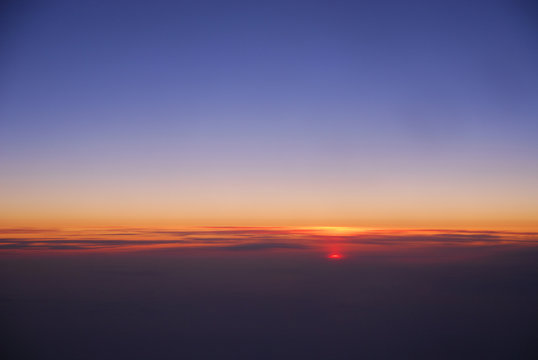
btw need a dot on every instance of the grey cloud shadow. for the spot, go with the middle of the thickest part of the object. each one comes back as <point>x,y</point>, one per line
<point>264,246</point>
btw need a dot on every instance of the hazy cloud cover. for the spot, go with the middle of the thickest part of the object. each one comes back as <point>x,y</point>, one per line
<point>252,238</point>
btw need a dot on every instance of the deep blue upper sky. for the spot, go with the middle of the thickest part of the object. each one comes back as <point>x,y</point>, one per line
<point>232,87</point>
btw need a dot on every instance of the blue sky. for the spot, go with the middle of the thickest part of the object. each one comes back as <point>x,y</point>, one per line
<point>322,95</point>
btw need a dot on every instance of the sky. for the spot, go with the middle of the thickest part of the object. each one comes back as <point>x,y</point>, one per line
<point>419,114</point>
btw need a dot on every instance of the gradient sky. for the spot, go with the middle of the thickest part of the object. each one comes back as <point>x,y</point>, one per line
<point>347,113</point>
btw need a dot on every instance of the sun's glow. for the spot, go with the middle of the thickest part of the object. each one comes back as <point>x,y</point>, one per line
<point>337,230</point>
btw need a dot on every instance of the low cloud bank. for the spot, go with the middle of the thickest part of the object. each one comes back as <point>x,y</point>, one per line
<point>251,239</point>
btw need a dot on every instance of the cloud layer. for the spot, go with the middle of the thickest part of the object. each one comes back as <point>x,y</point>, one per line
<point>253,239</point>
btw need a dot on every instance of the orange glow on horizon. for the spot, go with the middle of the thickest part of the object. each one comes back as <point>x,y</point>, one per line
<point>337,230</point>
<point>336,242</point>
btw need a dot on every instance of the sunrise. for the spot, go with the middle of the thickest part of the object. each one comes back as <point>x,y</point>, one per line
<point>269,179</point>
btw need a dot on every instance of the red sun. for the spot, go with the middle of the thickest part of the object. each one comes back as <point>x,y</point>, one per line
<point>334,256</point>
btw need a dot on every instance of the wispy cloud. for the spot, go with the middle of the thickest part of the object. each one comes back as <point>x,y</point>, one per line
<point>252,238</point>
